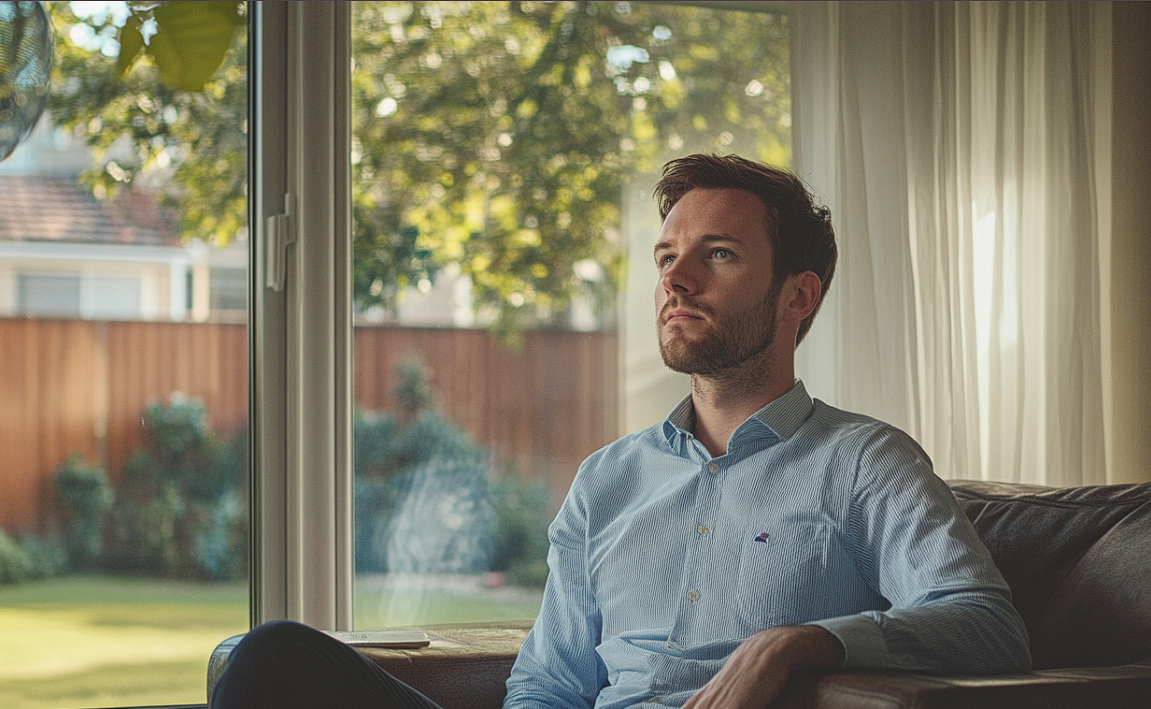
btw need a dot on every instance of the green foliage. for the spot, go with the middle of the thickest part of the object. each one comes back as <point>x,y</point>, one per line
<point>15,566</point>
<point>46,555</point>
<point>146,532</point>
<point>190,41</point>
<point>181,509</point>
<point>427,499</point>
<point>444,524</point>
<point>413,392</point>
<point>30,558</point>
<point>395,450</point>
<point>84,496</point>
<point>491,137</point>
<point>221,545</point>
<point>505,132</point>
<point>523,511</point>
<point>197,138</point>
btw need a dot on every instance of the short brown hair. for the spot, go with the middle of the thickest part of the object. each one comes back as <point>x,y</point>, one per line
<point>802,238</point>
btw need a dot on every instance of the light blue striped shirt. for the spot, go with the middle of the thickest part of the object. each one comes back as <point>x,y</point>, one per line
<point>664,559</point>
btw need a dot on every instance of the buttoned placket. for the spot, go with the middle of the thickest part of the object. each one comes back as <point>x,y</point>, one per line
<point>693,585</point>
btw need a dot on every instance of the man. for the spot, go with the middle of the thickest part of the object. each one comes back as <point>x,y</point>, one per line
<point>754,533</point>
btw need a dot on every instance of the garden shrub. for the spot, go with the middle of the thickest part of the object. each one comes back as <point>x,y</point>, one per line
<point>14,563</point>
<point>84,497</point>
<point>47,556</point>
<point>410,456</point>
<point>427,500</point>
<point>393,455</point>
<point>444,523</point>
<point>523,511</point>
<point>221,540</point>
<point>182,507</point>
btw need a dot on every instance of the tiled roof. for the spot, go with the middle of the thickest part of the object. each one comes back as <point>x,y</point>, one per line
<point>59,209</point>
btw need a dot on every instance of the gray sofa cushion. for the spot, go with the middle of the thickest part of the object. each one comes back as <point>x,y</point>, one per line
<point>1078,561</point>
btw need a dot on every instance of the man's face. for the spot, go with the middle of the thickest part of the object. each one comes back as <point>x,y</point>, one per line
<point>715,301</point>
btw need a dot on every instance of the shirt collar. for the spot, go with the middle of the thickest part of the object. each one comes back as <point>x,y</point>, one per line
<point>782,417</point>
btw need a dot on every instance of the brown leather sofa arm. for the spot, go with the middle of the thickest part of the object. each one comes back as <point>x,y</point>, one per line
<point>1122,687</point>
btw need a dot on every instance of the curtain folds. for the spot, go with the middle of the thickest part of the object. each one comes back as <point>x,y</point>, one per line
<point>960,147</point>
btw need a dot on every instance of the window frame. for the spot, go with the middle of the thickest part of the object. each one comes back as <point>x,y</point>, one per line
<point>300,336</point>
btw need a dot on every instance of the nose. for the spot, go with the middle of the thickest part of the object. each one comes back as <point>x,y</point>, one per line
<point>678,278</point>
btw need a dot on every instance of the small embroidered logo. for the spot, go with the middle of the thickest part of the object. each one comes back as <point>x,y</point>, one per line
<point>762,537</point>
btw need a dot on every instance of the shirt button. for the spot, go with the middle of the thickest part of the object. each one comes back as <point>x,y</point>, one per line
<point>713,468</point>
<point>693,595</point>
<point>702,530</point>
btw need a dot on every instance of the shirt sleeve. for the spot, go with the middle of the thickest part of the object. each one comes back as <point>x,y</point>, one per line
<point>950,607</point>
<point>558,666</point>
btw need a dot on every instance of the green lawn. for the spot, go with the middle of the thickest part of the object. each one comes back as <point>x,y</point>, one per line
<point>106,641</point>
<point>100,641</point>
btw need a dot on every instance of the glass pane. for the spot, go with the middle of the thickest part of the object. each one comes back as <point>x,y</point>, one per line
<point>503,156</point>
<point>123,373</point>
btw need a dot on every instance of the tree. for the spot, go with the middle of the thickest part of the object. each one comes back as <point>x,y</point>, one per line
<point>146,115</point>
<point>492,139</point>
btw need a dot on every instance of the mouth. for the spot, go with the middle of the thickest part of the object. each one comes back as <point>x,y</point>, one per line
<point>679,315</point>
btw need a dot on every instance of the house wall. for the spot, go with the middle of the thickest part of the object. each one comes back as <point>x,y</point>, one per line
<point>158,272</point>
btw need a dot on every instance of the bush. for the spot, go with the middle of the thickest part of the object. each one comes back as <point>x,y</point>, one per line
<point>414,458</point>
<point>376,501</point>
<point>427,502</point>
<point>145,530</point>
<point>47,556</point>
<point>84,497</point>
<point>30,558</point>
<point>14,563</point>
<point>182,507</point>
<point>221,541</point>
<point>445,521</point>
<point>523,512</point>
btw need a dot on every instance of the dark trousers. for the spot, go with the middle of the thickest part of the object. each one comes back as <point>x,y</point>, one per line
<point>287,665</point>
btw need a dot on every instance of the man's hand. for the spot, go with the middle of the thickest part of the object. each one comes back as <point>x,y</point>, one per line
<point>758,670</point>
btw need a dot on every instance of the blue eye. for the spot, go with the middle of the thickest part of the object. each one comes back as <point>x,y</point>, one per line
<point>720,253</point>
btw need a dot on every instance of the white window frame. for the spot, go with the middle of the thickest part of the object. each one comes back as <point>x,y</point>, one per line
<point>301,335</point>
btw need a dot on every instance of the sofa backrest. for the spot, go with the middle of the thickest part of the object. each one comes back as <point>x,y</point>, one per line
<point>1078,561</point>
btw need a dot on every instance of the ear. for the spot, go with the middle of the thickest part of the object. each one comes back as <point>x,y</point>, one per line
<point>799,297</point>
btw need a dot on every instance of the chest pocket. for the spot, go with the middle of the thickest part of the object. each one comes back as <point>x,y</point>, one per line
<point>779,571</point>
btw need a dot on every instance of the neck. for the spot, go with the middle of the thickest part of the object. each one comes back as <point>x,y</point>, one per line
<point>723,401</point>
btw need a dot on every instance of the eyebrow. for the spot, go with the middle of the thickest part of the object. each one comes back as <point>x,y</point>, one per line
<point>707,238</point>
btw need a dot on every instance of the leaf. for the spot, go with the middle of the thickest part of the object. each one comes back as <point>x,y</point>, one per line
<point>191,41</point>
<point>131,42</point>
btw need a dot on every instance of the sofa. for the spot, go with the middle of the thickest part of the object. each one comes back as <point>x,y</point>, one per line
<point>1078,561</point>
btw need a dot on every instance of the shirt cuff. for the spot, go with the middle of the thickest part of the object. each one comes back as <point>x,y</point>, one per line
<point>863,643</point>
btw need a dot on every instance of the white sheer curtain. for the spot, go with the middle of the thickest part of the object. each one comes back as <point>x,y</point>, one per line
<point>964,151</point>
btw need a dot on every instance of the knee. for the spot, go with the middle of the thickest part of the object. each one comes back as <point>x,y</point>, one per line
<point>278,633</point>
<point>266,665</point>
<point>277,641</point>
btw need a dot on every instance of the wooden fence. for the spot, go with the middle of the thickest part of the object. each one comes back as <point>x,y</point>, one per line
<point>80,386</point>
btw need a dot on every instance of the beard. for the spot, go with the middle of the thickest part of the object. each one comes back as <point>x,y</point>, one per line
<point>729,340</point>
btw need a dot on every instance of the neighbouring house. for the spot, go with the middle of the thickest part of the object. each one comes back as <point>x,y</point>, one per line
<point>66,254</point>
